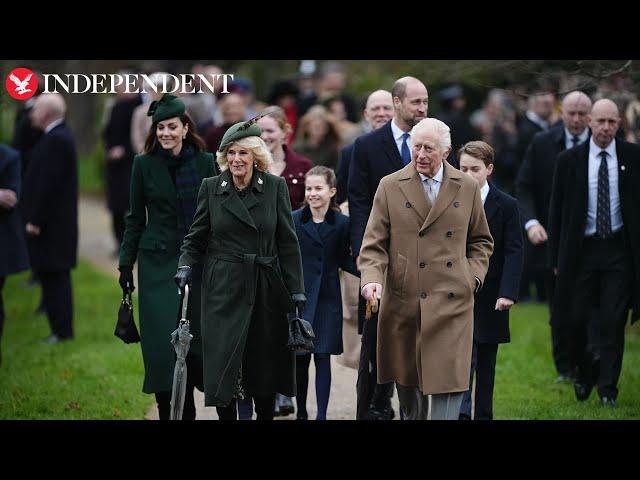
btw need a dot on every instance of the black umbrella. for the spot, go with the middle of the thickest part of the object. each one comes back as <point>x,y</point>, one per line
<point>181,340</point>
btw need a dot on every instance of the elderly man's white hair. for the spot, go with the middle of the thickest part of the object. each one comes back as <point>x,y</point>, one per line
<point>53,103</point>
<point>438,127</point>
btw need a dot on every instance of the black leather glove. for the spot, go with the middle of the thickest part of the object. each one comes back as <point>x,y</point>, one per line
<point>126,278</point>
<point>183,277</point>
<point>299,300</point>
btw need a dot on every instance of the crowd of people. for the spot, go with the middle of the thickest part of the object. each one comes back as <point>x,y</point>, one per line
<point>299,205</point>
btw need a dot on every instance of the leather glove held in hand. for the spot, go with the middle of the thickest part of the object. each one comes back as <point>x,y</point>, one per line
<point>183,277</point>
<point>126,278</point>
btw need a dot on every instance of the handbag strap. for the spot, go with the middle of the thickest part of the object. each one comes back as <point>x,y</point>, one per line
<point>126,298</point>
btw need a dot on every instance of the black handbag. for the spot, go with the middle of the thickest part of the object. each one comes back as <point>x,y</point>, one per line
<point>300,333</point>
<point>126,328</point>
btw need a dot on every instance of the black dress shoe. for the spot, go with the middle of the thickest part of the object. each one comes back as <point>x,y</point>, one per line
<point>608,402</point>
<point>582,391</point>
<point>384,413</point>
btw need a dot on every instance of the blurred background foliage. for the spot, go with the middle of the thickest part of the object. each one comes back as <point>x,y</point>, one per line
<point>478,77</point>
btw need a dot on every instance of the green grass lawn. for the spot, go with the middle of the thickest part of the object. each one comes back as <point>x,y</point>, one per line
<point>525,387</point>
<point>95,376</point>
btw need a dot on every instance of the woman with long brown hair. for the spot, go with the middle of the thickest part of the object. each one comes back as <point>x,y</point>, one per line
<point>165,181</point>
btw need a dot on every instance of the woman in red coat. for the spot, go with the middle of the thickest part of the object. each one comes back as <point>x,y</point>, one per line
<point>286,162</point>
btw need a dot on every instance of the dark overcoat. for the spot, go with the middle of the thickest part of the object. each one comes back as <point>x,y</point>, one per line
<point>252,266</point>
<point>505,268</point>
<point>13,249</point>
<point>322,255</point>
<point>568,218</point>
<point>152,238</point>
<point>50,201</point>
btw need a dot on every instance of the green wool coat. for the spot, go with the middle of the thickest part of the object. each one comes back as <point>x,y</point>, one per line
<point>252,266</point>
<point>152,237</point>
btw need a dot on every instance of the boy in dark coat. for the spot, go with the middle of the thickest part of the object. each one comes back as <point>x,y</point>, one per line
<point>501,285</point>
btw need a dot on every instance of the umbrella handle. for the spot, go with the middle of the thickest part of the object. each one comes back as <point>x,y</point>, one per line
<point>185,304</point>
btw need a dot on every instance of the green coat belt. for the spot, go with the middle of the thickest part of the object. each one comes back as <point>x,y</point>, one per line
<point>252,266</point>
<point>151,237</point>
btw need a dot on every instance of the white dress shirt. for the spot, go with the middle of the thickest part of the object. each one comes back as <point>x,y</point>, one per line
<point>431,185</point>
<point>484,191</point>
<point>537,119</point>
<point>568,143</point>
<point>397,136</point>
<point>614,195</point>
<point>53,125</point>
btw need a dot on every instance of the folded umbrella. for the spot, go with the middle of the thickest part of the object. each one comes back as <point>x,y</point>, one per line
<point>181,340</point>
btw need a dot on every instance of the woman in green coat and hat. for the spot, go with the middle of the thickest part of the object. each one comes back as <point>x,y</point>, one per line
<point>243,231</point>
<point>164,184</point>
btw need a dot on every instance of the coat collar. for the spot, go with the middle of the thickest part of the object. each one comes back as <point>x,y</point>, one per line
<point>309,227</point>
<point>411,186</point>
<point>390,147</point>
<point>233,203</point>
<point>225,182</point>
<point>306,216</point>
<point>491,203</point>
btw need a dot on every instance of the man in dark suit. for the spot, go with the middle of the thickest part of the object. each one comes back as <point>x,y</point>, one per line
<point>50,210</point>
<point>533,190</point>
<point>377,112</point>
<point>375,155</point>
<point>501,284</point>
<point>594,244</point>
<point>537,118</point>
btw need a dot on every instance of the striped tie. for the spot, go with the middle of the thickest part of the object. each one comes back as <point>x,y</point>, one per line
<point>603,212</point>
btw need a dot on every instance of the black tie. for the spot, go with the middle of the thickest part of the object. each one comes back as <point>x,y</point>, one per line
<point>575,141</point>
<point>603,212</point>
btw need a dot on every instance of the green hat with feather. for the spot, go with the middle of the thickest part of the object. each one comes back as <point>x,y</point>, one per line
<point>248,128</point>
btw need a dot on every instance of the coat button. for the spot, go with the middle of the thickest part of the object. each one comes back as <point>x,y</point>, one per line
<point>408,205</point>
<point>422,264</point>
<point>449,264</point>
<point>456,204</point>
<point>421,234</point>
<point>449,234</point>
<point>451,295</point>
<point>423,295</point>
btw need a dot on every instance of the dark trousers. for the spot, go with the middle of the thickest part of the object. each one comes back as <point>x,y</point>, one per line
<point>163,399</point>
<point>369,392</point>
<point>118,220</point>
<point>57,300</point>
<point>483,365</point>
<point>264,409</point>
<point>604,281</point>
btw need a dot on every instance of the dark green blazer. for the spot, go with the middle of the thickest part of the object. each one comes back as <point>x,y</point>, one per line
<point>152,238</point>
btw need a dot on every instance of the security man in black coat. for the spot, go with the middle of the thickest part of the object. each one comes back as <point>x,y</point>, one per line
<point>594,243</point>
<point>50,211</point>
<point>533,190</point>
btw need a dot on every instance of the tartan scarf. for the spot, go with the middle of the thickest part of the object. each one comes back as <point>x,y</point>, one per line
<point>187,185</point>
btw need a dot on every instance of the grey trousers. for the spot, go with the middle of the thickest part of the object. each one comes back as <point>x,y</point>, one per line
<point>415,406</point>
